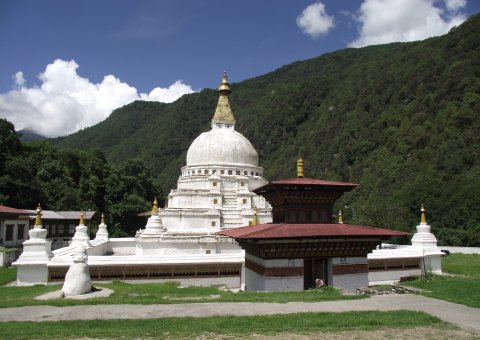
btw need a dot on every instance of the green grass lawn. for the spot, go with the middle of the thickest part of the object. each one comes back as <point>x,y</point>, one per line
<point>157,293</point>
<point>7,275</point>
<point>174,327</point>
<point>463,286</point>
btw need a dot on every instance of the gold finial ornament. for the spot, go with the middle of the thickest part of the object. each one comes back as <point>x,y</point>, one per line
<point>38,218</point>
<point>155,207</point>
<point>103,219</point>
<point>423,218</point>
<point>223,113</point>
<point>255,217</point>
<point>340,216</point>
<point>82,221</point>
<point>300,167</point>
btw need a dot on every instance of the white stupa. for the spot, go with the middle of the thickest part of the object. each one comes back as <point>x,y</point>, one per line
<point>420,258</point>
<point>214,191</point>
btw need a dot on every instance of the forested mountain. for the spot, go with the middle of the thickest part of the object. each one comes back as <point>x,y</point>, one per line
<point>400,119</point>
<point>30,136</point>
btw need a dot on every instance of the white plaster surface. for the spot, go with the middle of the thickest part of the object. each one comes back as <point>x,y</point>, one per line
<point>350,282</point>
<point>77,279</point>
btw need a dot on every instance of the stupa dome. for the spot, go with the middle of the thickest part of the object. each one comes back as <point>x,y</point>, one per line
<point>222,144</point>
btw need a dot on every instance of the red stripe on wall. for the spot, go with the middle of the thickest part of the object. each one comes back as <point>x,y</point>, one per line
<point>344,269</point>
<point>274,271</point>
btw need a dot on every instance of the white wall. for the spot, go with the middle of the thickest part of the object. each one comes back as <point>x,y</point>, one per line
<point>350,282</point>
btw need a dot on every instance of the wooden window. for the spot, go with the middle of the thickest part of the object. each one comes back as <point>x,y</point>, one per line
<point>214,223</point>
<point>215,201</point>
<point>237,172</point>
<point>214,184</point>
<point>20,231</point>
<point>230,172</point>
<point>242,184</point>
<point>9,232</point>
<point>244,201</point>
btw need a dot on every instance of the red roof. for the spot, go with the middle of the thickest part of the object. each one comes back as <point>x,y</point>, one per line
<point>283,230</point>
<point>311,181</point>
<point>8,210</point>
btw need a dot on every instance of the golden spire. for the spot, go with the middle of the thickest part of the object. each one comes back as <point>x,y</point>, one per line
<point>340,216</point>
<point>103,219</point>
<point>423,218</point>
<point>155,207</point>
<point>223,112</point>
<point>300,167</point>
<point>255,217</point>
<point>38,218</point>
<point>82,221</point>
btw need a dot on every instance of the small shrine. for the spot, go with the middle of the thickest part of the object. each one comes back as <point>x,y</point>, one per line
<point>303,247</point>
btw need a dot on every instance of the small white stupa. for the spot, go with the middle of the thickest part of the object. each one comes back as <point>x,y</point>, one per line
<point>422,257</point>
<point>81,235</point>
<point>102,232</point>
<point>77,280</point>
<point>32,264</point>
<point>426,242</point>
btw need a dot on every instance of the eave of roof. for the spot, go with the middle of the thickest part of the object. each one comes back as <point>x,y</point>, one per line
<point>302,182</point>
<point>283,231</point>
<point>8,210</point>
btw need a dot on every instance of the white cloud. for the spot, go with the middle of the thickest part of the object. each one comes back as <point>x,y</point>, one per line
<point>455,5</point>
<point>65,102</point>
<point>19,79</point>
<point>385,21</point>
<point>315,21</point>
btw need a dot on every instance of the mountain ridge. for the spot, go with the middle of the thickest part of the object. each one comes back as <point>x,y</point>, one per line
<point>400,119</point>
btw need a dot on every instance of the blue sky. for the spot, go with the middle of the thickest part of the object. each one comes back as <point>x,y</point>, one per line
<point>67,64</point>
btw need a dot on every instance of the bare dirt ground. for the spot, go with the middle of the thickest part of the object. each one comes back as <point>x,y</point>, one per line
<point>434,333</point>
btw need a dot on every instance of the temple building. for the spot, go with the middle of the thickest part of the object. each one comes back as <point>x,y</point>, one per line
<point>304,246</point>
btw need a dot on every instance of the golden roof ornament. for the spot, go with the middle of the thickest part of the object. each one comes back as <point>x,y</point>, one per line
<point>300,167</point>
<point>38,218</point>
<point>423,218</point>
<point>82,221</point>
<point>255,217</point>
<point>340,216</point>
<point>103,219</point>
<point>155,207</point>
<point>223,113</point>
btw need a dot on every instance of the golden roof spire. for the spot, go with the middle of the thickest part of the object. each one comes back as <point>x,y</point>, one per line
<point>155,207</point>
<point>223,112</point>
<point>340,216</point>
<point>103,219</point>
<point>255,217</point>
<point>423,218</point>
<point>300,167</point>
<point>82,221</point>
<point>38,218</point>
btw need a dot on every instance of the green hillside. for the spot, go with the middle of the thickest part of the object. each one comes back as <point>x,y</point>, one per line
<point>400,119</point>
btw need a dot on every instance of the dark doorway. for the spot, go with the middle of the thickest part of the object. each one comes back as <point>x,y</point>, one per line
<point>314,269</point>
